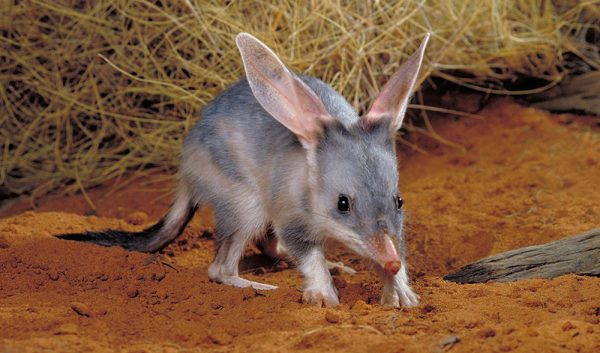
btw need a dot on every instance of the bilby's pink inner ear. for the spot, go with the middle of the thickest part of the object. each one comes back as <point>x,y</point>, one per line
<point>280,92</point>
<point>395,95</point>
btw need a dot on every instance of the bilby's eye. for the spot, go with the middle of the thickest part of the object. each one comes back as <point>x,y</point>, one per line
<point>399,202</point>
<point>343,203</point>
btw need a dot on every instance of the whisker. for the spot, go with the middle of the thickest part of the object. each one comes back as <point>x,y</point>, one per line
<point>324,216</point>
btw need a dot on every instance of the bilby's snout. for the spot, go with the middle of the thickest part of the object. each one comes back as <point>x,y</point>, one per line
<point>383,251</point>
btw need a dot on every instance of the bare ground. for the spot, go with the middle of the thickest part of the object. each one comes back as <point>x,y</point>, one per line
<point>524,177</point>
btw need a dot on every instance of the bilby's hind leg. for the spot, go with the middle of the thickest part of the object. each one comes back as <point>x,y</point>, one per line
<point>234,231</point>
<point>224,268</point>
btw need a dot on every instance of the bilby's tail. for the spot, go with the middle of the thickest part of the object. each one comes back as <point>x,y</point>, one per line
<point>150,239</point>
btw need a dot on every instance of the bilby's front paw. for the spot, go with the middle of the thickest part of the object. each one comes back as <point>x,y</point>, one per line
<point>409,298</point>
<point>322,297</point>
<point>396,290</point>
<point>318,285</point>
<point>395,295</point>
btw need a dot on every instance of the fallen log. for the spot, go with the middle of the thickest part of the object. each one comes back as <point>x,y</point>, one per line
<point>579,254</point>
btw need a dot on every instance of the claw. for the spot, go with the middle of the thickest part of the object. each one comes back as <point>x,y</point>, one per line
<point>409,298</point>
<point>340,265</point>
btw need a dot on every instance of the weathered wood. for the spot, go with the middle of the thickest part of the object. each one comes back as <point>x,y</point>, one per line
<point>579,254</point>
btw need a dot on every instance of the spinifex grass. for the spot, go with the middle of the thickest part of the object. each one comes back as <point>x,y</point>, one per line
<point>90,90</point>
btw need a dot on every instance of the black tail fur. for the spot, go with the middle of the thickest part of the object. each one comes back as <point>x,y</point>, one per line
<point>133,241</point>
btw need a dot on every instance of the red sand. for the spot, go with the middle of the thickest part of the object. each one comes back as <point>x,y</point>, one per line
<point>525,178</point>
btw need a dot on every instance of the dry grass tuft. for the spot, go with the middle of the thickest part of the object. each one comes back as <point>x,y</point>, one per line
<point>90,90</point>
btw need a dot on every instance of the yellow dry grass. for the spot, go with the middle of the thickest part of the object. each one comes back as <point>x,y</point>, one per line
<point>90,90</point>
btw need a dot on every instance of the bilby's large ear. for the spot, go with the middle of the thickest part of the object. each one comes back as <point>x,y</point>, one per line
<point>280,92</point>
<point>393,99</point>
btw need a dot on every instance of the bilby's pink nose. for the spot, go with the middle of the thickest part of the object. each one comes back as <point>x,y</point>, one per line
<point>385,254</point>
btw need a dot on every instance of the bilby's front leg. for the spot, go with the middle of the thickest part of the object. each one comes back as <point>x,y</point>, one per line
<point>299,243</point>
<point>396,289</point>
<point>318,284</point>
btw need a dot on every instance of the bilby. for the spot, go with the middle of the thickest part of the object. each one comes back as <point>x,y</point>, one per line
<point>286,151</point>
